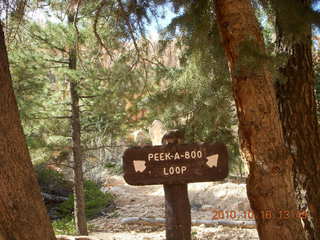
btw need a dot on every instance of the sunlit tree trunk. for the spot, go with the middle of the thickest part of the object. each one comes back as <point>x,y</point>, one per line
<point>23,215</point>
<point>270,185</point>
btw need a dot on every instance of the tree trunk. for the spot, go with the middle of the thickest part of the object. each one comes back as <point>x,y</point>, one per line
<point>23,215</point>
<point>79,199</point>
<point>298,113</point>
<point>270,182</point>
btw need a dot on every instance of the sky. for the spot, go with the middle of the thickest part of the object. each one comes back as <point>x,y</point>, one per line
<point>43,15</point>
<point>155,27</point>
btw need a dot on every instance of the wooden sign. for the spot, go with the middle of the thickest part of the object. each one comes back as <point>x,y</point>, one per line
<point>175,164</point>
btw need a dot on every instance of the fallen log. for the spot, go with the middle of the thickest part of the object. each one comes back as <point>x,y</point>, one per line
<point>227,223</point>
<point>53,198</point>
<point>143,220</point>
<point>66,237</point>
<point>195,222</point>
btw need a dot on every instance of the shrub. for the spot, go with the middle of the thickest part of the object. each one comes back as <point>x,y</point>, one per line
<point>114,168</point>
<point>95,201</point>
<point>64,226</point>
<point>52,181</point>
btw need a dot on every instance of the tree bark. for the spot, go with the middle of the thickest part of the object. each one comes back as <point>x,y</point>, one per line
<point>298,113</point>
<point>23,215</point>
<point>270,185</point>
<point>79,198</point>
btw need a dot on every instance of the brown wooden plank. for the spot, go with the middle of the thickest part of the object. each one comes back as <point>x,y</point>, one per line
<point>174,164</point>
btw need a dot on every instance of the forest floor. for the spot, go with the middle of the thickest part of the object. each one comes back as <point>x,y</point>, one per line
<point>148,201</point>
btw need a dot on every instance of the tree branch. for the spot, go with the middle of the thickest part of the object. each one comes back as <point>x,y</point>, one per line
<point>104,146</point>
<point>93,96</point>
<point>53,117</point>
<point>95,23</point>
<point>47,41</point>
<point>131,32</point>
<point>57,61</point>
<point>63,165</point>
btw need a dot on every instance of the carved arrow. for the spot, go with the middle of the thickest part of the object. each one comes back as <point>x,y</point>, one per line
<point>213,160</point>
<point>139,165</point>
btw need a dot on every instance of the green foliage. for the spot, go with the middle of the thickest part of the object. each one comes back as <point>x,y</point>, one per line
<point>47,176</point>
<point>196,98</point>
<point>253,58</point>
<point>64,226</point>
<point>95,201</point>
<point>194,95</point>
<point>106,76</point>
<point>51,181</point>
<point>114,168</point>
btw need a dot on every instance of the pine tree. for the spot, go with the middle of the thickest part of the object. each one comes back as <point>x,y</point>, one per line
<point>23,214</point>
<point>295,88</point>
<point>295,44</point>
<point>187,93</point>
<point>98,76</point>
<point>270,185</point>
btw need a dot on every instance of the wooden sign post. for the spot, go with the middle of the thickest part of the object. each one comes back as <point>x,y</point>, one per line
<point>174,165</point>
<point>177,204</point>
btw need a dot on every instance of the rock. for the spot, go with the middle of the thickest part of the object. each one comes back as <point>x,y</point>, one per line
<point>225,196</point>
<point>206,208</point>
<point>141,137</point>
<point>202,226</point>
<point>52,202</point>
<point>244,206</point>
<point>156,132</point>
<point>113,181</point>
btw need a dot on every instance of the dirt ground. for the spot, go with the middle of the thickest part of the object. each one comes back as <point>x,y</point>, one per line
<point>148,201</point>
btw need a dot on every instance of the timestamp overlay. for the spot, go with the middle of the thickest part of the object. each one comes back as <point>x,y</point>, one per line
<point>250,215</point>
